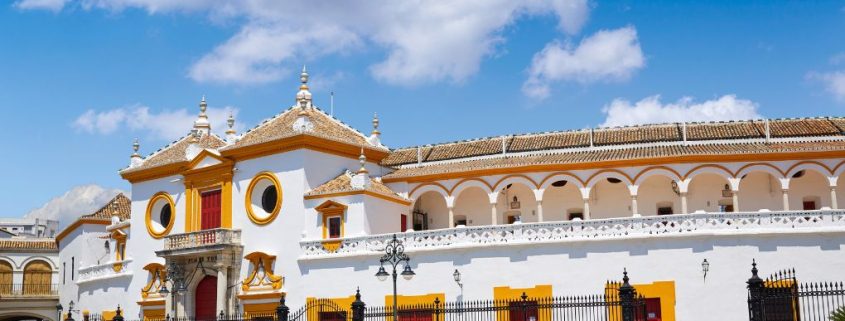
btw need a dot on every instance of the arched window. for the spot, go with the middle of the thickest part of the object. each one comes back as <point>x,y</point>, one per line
<point>5,278</point>
<point>37,276</point>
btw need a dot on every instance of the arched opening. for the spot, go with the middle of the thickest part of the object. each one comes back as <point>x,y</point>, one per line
<point>5,278</point>
<point>808,190</point>
<point>658,195</point>
<point>709,192</point>
<point>610,198</point>
<point>205,299</point>
<point>760,190</point>
<point>430,212</point>
<point>516,202</point>
<point>562,201</point>
<point>473,205</point>
<point>37,278</point>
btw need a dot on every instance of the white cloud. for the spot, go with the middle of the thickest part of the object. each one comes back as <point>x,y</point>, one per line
<point>424,41</point>
<point>833,82</point>
<point>51,5</point>
<point>651,110</point>
<point>78,201</point>
<point>165,125</point>
<point>607,55</point>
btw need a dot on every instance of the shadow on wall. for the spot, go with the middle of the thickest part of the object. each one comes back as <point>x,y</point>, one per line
<point>121,283</point>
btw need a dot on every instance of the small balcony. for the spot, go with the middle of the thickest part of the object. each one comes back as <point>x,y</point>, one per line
<point>37,291</point>
<point>663,226</point>
<point>198,242</point>
<point>103,271</point>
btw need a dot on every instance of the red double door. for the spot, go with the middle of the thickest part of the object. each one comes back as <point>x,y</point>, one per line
<point>210,203</point>
<point>205,299</point>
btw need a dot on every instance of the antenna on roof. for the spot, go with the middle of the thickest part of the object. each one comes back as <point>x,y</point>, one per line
<point>331,111</point>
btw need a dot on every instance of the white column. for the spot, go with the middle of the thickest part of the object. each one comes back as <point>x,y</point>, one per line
<point>587,208</point>
<point>634,210</point>
<point>539,210</point>
<point>833,203</point>
<point>494,219</point>
<point>735,201</point>
<point>785,199</point>
<point>734,182</point>
<point>684,203</point>
<point>222,283</point>
<point>451,216</point>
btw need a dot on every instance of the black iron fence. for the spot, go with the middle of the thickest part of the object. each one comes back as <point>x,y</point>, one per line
<point>780,297</point>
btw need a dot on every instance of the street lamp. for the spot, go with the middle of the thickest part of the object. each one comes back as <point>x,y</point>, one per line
<point>395,254</point>
<point>457,277</point>
<point>705,267</point>
<point>70,311</point>
<point>175,274</point>
<point>59,309</point>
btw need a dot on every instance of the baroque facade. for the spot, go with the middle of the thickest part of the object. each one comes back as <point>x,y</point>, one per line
<point>302,205</point>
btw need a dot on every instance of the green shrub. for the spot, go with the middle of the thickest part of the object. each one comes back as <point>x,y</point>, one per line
<point>838,314</point>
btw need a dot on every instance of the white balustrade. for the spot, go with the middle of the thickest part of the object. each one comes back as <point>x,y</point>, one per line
<point>614,228</point>
<point>202,238</point>
<point>103,271</point>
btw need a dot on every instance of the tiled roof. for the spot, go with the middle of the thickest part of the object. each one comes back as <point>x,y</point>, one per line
<point>674,132</point>
<point>634,153</point>
<point>28,244</point>
<point>281,126</point>
<point>119,206</point>
<point>343,183</point>
<point>175,152</point>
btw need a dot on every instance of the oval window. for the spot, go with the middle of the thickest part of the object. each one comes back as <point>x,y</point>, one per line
<point>263,198</point>
<point>159,216</point>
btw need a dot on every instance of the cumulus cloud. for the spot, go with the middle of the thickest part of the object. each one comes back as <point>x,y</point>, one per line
<point>78,201</point>
<point>833,82</point>
<point>423,41</point>
<point>607,55</point>
<point>50,5</point>
<point>651,110</point>
<point>165,125</point>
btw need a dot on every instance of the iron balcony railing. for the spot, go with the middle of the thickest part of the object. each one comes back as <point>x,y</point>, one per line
<point>219,236</point>
<point>598,229</point>
<point>18,290</point>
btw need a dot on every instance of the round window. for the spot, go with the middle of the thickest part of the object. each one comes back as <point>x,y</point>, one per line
<point>263,198</point>
<point>159,215</point>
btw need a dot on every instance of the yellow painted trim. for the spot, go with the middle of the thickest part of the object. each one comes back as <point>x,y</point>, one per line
<point>152,314</point>
<point>265,262</point>
<point>304,141</point>
<point>96,221</point>
<point>343,303</point>
<point>261,296</point>
<point>503,294</point>
<point>218,176</point>
<point>361,192</point>
<point>260,309</point>
<point>151,303</point>
<point>158,273</point>
<point>108,314</point>
<point>663,290</point>
<point>331,209</point>
<point>248,199</point>
<point>148,215</point>
<point>412,300</point>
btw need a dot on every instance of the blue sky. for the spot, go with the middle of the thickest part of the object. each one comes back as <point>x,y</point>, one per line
<point>81,79</point>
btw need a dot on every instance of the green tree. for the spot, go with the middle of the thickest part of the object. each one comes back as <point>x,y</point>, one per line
<point>838,314</point>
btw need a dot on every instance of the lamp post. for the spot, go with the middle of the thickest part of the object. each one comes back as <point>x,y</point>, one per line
<point>395,254</point>
<point>59,309</point>
<point>457,277</point>
<point>705,267</point>
<point>70,311</point>
<point>176,277</point>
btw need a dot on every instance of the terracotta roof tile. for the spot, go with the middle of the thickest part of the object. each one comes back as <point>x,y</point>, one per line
<point>175,152</point>
<point>343,183</point>
<point>28,244</point>
<point>636,134</point>
<point>557,140</point>
<point>723,130</point>
<point>405,156</point>
<point>587,156</point>
<point>485,146</point>
<point>120,206</point>
<point>799,127</point>
<point>281,126</point>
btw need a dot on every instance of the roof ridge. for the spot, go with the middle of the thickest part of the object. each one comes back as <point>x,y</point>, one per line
<point>107,204</point>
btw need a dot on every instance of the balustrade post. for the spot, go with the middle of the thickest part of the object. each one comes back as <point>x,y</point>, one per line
<point>833,203</point>
<point>785,199</point>
<point>755,294</point>
<point>282,311</point>
<point>117,314</point>
<point>358,307</point>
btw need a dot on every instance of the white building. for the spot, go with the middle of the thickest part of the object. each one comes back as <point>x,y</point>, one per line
<point>29,227</point>
<point>28,279</point>
<point>302,205</point>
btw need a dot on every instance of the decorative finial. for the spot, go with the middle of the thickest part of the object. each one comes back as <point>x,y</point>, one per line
<point>135,147</point>
<point>303,77</point>
<point>375,124</point>
<point>203,105</point>
<point>231,123</point>
<point>303,97</point>
<point>363,159</point>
